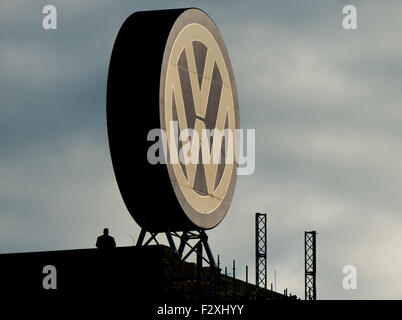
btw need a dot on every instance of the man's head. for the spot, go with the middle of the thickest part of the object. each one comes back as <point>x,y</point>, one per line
<point>106,231</point>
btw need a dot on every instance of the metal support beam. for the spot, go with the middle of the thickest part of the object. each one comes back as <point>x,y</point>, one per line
<point>261,249</point>
<point>170,240</point>
<point>193,249</point>
<point>153,237</point>
<point>199,255</point>
<point>204,239</point>
<point>183,241</point>
<point>141,238</point>
<point>199,236</point>
<point>310,287</point>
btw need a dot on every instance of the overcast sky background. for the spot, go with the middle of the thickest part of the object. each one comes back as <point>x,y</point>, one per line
<point>325,103</point>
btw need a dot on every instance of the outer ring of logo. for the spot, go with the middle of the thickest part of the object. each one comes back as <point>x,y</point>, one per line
<point>136,105</point>
<point>207,208</point>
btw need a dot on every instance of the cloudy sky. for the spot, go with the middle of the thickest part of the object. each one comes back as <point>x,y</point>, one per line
<point>325,103</point>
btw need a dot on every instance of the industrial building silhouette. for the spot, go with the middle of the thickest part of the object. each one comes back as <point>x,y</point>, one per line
<point>152,272</point>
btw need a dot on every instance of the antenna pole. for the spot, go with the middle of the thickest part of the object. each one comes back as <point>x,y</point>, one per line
<point>310,270</point>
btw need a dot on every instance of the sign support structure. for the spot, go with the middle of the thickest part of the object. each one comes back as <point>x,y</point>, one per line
<point>261,249</point>
<point>187,239</point>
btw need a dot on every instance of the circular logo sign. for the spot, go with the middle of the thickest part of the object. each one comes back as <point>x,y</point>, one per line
<point>176,76</point>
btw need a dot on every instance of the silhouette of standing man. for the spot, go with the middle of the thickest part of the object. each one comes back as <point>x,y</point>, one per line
<point>105,241</point>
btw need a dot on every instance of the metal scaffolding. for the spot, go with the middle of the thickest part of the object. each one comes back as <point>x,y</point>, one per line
<point>310,289</point>
<point>261,249</point>
<point>199,236</point>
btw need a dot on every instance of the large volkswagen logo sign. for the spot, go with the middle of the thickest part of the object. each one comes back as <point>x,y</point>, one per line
<point>170,70</point>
